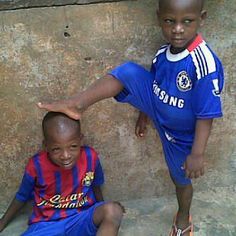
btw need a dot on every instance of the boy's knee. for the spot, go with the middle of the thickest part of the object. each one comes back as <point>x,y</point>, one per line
<point>113,210</point>
<point>130,69</point>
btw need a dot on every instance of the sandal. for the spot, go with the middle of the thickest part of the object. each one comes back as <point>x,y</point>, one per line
<point>179,232</point>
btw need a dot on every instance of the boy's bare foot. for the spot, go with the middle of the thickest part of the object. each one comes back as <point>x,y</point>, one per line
<point>63,106</point>
<point>184,222</point>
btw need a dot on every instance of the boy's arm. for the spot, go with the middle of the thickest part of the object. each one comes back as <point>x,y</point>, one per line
<point>98,193</point>
<point>13,208</point>
<point>103,88</point>
<point>194,165</point>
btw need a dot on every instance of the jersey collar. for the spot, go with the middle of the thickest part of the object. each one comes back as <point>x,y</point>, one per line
<point>179,56</point>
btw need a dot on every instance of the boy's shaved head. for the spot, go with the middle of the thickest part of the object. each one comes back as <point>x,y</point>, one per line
<point>165,3</point>
<point>58,121</point>
<point>62,139</point>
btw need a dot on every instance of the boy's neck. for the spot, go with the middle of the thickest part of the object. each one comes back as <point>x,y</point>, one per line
<point>179,50</point>
<point>176,50</point>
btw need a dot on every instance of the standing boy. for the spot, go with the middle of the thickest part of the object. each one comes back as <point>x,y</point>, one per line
<point>64,182</point>
<point>181,94</point>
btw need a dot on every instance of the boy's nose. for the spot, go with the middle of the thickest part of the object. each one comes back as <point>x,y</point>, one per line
<point>66,154</point>
<point>178,28</point>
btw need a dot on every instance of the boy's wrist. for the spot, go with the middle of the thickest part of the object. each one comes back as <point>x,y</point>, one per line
<point>197,154</point>
<point>197,150</point>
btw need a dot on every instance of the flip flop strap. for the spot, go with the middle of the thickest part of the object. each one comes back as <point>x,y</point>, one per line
<point>180,232</point>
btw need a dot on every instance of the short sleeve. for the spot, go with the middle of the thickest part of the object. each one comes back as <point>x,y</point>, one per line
<point>206,95</point>
<point>25,191</point>
<point>99,175</point>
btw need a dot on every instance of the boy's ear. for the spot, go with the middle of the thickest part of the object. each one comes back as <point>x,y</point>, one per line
<point>203,17</point>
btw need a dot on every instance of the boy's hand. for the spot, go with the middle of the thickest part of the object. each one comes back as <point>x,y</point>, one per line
<point>141,125</point>
<point>63,106</point>
<point>194,166</point>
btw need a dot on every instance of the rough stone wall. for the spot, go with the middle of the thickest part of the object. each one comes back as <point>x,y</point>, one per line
<point>20,4</point>
<point>53,52</point>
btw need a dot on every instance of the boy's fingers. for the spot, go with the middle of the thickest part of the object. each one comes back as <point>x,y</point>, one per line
<point>48,107</point>
<point>141,134</point>
<point>57,107</point>
<point>140,131</point>
<point>187,173</point>
<point>137,131</point>
<point>73,115</point>
<point>40,105</point>
<point>192,175</point>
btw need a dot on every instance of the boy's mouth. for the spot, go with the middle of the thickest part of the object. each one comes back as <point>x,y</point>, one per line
<point>178,40</point>
<point>67,164</point>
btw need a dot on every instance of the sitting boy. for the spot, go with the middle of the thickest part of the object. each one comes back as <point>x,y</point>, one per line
<point>64,182</point>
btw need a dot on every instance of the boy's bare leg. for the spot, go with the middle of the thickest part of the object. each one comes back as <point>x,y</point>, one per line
<point>105,87</point>
<point>184,196</point>
<point>108,218</point>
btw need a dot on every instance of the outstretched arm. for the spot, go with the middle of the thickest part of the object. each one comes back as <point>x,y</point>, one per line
<point>194,165</point>
<point>13,208</point>
<point>103,88</point>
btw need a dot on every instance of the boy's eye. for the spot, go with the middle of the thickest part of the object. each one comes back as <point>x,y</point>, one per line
<point>168,21</point>
<point>187,21</point>
<point>56,149</point>
<point>74,146</point>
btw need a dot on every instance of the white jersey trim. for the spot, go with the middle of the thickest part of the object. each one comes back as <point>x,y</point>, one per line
<point>203,60</point>
<point>176,57</point>
<point>161,50</point>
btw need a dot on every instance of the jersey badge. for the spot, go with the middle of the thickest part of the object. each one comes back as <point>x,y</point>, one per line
<point>183,81</point>
<point>87,180</point>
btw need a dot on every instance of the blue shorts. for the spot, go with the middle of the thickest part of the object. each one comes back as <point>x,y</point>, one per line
<point>80,224</point>
<point>175,156</point>
<point>138,85</point>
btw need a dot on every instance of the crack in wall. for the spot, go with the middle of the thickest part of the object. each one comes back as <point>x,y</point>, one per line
<point>26,4</point>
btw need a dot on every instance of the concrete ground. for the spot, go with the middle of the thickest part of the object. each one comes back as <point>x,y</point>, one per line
<point>214,214</point>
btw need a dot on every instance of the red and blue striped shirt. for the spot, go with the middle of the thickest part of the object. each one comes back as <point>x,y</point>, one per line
<point>56,192</point>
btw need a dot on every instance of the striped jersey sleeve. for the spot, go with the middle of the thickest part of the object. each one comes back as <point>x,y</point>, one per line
<point>206,100</point>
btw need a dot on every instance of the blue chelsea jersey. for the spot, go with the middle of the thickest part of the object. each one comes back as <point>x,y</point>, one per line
<point>187,86</point>
<point>178,90</point>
